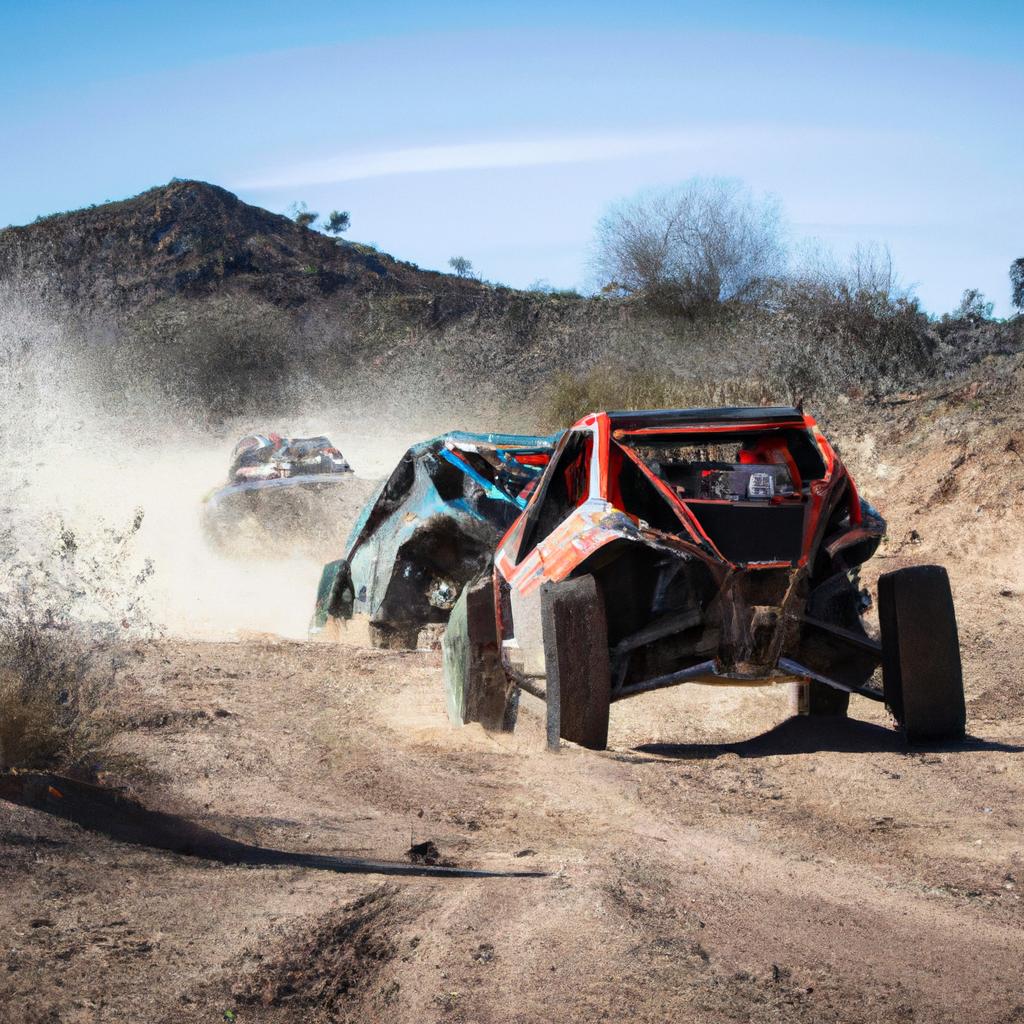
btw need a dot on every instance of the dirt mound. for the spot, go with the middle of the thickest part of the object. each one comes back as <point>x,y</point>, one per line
<point>330,963</point>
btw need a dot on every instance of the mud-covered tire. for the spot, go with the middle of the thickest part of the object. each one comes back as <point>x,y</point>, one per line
<point>576,659</point>
<point>921,670</point>
<point>817,700</point>
<point>475,684</point>
<point>392,636</point>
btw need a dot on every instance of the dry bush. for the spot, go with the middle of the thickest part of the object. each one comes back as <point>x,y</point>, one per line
<point>852,324</point>
<point>704,242</point>
<point>68,618</point>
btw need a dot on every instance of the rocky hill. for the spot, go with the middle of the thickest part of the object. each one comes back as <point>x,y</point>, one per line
<point>190,238</point>
<point>186,293</point>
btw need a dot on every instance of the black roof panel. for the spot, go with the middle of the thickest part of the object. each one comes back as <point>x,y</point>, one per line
<point>646,419</point>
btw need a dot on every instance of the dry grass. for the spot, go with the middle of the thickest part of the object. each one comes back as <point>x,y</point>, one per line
<point>57,722</point>
<point>68,621</point>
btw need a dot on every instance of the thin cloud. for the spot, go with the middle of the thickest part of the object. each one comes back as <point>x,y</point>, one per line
<point>472,156</point>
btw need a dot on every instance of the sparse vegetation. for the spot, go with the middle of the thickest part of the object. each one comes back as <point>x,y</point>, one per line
<point>973,308</point>
<point>853,322</point>
<point>67,619</point>
<point>338,222</point>
<point>1017,283</point>
<point>546,288</point>
<point>302,215</point>
<point>461,267</point>
<point>608,386</point>
<point>708,241</point>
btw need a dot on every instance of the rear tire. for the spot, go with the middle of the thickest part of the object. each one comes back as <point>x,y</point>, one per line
<point>577,664</point>
<point>476,687</point>
<point>400,636</point>
<point>921,671</point>
<point>817,700</point>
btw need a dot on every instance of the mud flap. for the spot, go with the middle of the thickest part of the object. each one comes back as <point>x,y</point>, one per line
<point>334,597</point>
<point>476,687</point>
<point>576,658</point>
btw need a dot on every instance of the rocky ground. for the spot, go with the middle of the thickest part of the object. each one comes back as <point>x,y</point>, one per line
<point>719,862</point>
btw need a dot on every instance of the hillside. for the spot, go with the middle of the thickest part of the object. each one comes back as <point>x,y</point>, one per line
<point>188,295</point>
<point>186,298</point>
<point>191,238</point>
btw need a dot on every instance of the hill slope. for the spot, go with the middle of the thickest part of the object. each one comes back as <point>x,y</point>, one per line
<point>191,238</point>
<point>187,295</point>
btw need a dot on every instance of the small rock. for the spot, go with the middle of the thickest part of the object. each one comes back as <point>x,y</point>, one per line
<point>424,853</point>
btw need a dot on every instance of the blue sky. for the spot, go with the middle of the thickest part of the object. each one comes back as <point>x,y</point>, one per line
<point>501,132</point>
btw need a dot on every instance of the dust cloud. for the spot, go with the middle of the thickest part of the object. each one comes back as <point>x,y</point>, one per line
<point>80,457</point>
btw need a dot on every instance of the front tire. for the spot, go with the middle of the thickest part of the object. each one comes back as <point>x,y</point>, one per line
<point>818,700</point>
<point>921,670</point>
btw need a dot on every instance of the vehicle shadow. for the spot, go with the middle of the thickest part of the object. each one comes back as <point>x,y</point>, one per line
<point>119,817</point>
<point>804,735</point>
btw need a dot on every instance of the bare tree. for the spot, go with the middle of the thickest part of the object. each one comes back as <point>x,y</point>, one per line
<point>707,241</point>
<point>302,215</point>
<point>867,279</point>
<point>1017,283</point>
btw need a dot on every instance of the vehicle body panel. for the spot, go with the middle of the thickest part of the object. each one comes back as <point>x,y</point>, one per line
<point>429,529</point>
<point>701,581</point>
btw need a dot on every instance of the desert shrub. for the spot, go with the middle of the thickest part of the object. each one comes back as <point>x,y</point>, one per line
<point>68,620</point>
<point>543,287</point>
<point>461,267</point>
<point>338,222</point>
<point>851,323</point>
<point>973,309</point>
<point>302,215</point>
<point>1017,283</point>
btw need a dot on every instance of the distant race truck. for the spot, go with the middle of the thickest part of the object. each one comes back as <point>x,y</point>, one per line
<point>277,487</point>
<point>651,549</point>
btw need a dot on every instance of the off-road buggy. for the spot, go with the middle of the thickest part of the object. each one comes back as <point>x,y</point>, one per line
<point>431,527</point>
<point>705,545</point>
<point>278,489</point>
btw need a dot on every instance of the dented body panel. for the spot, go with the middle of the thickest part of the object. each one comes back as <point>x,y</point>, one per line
<point>430,528</point>
<point>725,544</point>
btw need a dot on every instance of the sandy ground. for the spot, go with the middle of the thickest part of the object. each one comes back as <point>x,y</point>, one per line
<point>720,862</point>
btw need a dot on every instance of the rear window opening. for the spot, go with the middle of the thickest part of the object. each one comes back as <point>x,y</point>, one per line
<point>748,490</point>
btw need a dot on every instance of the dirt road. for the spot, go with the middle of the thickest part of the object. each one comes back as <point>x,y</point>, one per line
<point>718,862</point>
